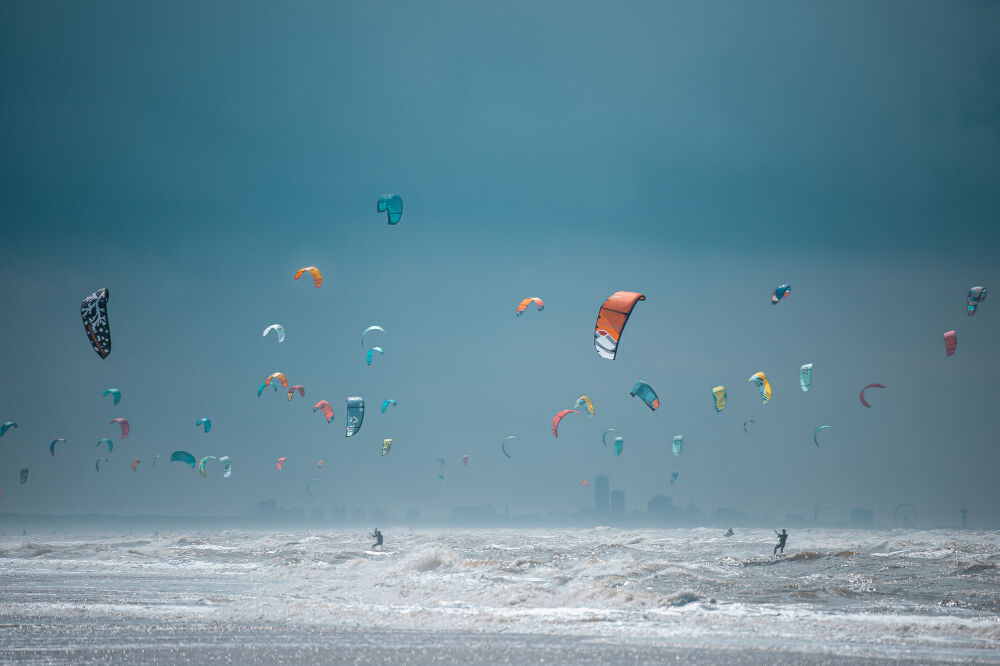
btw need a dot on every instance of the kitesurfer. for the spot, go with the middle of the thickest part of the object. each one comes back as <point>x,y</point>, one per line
<point>378,538</point>
<point>729,532</point>
<point>782,538</point>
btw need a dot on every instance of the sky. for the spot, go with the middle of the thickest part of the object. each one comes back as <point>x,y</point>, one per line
<point>190,157</point>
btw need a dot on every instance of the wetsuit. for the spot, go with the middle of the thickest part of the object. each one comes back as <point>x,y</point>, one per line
<point>782,538</point>
<point>378,537</point>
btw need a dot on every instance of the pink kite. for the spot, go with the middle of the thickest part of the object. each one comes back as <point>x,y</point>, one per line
<point>123,423</point>
<point>950,342</point>
<point>327,410</point>
<point>559,417</point>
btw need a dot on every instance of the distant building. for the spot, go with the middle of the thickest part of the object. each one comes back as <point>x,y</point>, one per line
<point>729,517</point>
<point>474,512</point>
<point>862,517</point>
<point>661,507</point>
<point>602,489</point>
<point>357,514</point>
<point>618,503</point>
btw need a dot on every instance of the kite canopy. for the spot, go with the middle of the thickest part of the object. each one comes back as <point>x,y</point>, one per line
<point>184,457</point>
<point>6,426</point>
<point>619,445</point>
<point>465,460</point>
<point>227,467</point>
<point>52,446</point>
<point>135,464</point>
<point>202,462</point>
<point>719,393</point>
<point>392,206</point>
<point>280,376</point>
<point>278,329</point>
<point>298,387</point>
<point>386,403</point>
<point>806,376</point>
<point>369,330</point>
<point>308,485</point>
<point>646,393</point>
<point>584,401</point>
<point>316,275</point>
<point>97,465</point>
<point>611,320</point>
<point>585,482</point>
<point>677,445</point>
<point>371,353</point>
<point>116,395</point>
<point>123,423</point>
<point>205,421</point>
<point>604,436</point>
<point>822,427</point>
<point>503,444</point>
<point>355,415</point>
<point>862,394</point>
<point>523,305</point>
<point>327,410</point>
<point>94,312</point>
<point>976,296</point>
<point>260,389</point>
<point>386,445</point>
<point>280,463</point>
<point>24,475</point>
<point>105,440</point>
<point>673,477</point>
<point>950,342</point>
<point>779,293</point>
<point>745,425</point>
<point>558,418</point>
<point>760,379</point>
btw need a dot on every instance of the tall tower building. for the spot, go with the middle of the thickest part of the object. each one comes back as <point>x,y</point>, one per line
<point>602,492</point>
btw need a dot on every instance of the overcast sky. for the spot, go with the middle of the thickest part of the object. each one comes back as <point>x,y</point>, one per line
<point>191,156</point>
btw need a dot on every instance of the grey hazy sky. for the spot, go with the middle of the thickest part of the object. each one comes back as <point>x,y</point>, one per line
<point>191,156</point>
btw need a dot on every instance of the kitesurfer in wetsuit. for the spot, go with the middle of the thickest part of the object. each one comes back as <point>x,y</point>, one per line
<point>378,538</point>
<point>782,538</point>
<point>729,532</point>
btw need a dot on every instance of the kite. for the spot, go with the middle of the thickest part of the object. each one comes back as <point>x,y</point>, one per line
<point>184,457</point>
<point>319,463</point>
<point>123,423</point>
<point>386,403</point>
<point>116,395</point>
<point>24,475</point>
<point>308,484</point>
<point>6,426</point>
<point>760,379</point>
<point>280,463</point>
<point>441,478</point>
<point>559,417</point>
<point>135,464</point>
<point>585,483</point>
<point>280,376</point>
<point>584,400</point>
<point>207,422</point>
<point>822,427</point>
<point>523,305</point>
<point>604,435</point>
<point>645,392</point>
<point>355,415</point>
<point>386,445</point>
<point>611,320</point>
<point>779,293</point>
<point>619,445</point>
<point>745,425</point>
<point>503,444</point>
<point>392,206</point>
<point>94,312</point>
<point>806,376</point>
<point>369,330</point>
<point>950,342</point>
<point>371,353</point>
<point>52,446</point>
<point>227,467</point>
<point>862,394</point>
<point>261,388</point>
<point>677,445</point>
<point>316,275</point>
<point>202,462</point>
<point>465,460</point>
<point>278,329</point>
<point>442,461</point>
<point>327,410</point>
<point>673,477</point>
<point>97,465</point>
<point>157,457</point>
<point>299,388</point>
<point>976,296</point>
<point>105,440</point>
<point>719,393</point>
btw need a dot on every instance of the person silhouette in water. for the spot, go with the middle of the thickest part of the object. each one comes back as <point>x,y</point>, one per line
<point>378,538</point>
<point>782,538</point>
<point>729,532</point>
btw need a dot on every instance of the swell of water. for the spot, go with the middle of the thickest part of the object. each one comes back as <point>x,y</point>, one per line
<point>925,595</point>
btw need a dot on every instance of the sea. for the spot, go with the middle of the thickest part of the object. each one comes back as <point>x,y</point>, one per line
<point>506,596</point>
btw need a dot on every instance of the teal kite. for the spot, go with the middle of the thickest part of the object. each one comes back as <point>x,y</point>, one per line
<point>392,206</point>
<point>677,444</point>
<point>184,457</point>
<point>619,445</point>
<point>806,376</point>
<point>6,426</point>
<point>116,395</point>
<point>646,393</point>
<point>207,422</point>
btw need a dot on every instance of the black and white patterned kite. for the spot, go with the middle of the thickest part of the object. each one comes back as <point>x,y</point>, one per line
<point>94,311</point>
